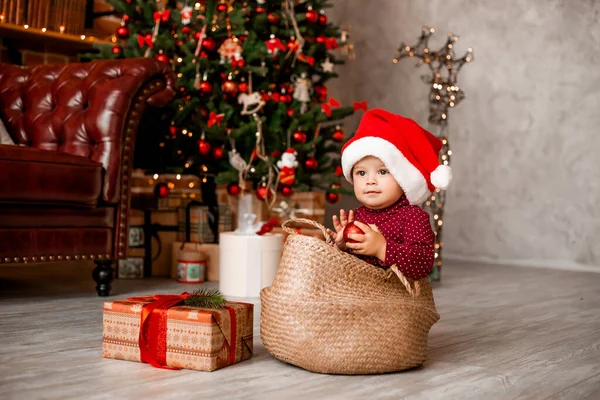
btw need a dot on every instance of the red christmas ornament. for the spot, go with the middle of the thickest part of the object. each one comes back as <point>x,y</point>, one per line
<point>161,190</point>
<point>338,135</point>
<point>233,189</point>
<point>351,229</point>
<point>311,163</point>
<point>287,191</point>
<point>276,154</point>
<point>222,7</point>
<point>125,18</point>
<point>275,96</point>
<point>173,130</point>
<point>230,87</point>
<point>321,92</point>
<point>185,30</point>
<point>180,43</point>
<point>339,171</point>
<point>260,10</point>
<point>263,193</point>
<point>218,153</point>
<point>162,58</point>
<point>206,87</point>
<point>292,46</point>
<point>321,39</point>
<point>209,44</point>
<point>312,16</point>
<point>122,32</point>
<point>223,76</point>
<point>332,198</point>
<point>197,35</point>
<point>273,18</point>
<point>243,87</point>
<point>299,137</point>
<point>290,112</point>
<point>203,147</point>
<point>323,19</point>
<point>116,50</point>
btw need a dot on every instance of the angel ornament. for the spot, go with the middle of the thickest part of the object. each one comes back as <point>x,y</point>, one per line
<point>236,161</point>
<point>302,90</point>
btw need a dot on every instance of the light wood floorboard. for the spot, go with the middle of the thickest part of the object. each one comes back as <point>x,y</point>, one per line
<point>504,333</point>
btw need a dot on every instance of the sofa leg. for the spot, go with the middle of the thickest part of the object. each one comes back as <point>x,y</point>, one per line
<point>103,275</point>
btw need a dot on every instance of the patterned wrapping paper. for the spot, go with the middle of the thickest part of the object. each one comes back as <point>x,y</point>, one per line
<point>197,338</point>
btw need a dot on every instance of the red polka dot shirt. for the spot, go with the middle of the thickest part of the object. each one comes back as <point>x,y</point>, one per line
<point>410,239</point>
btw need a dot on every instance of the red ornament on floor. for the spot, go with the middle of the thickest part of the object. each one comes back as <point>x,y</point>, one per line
<point>287,191</point>
<point>203,147</point>
<point>311,163</point>
<point>233,189</point>
<point>352,229</point>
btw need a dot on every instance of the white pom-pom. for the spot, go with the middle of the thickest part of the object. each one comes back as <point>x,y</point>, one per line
<point>441,177</point>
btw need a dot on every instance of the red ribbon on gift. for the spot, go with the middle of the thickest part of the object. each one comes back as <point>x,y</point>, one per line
<point>358,105</point>
<point>162,15</point>
<point>153,328</point>
<point>326,107</point>
<point>215,118</point>
<point>145,40</point>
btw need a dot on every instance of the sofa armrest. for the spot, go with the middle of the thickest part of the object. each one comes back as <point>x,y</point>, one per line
<point>87,109</point>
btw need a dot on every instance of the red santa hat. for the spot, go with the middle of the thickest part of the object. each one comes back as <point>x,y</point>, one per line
<point>408,151</point>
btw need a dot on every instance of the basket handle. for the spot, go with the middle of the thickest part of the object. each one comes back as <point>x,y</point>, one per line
<point>413,291</point>
<point>291,231</point>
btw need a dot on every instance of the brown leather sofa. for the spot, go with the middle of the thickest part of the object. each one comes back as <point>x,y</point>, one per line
<point>65,185</point>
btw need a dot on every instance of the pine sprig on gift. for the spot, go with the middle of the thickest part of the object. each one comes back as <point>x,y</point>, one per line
<point>206,298</point>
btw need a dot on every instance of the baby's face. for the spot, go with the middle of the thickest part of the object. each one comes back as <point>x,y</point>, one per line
<point>374,186</point>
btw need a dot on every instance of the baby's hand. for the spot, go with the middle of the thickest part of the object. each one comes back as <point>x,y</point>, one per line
<point>372,243</point>
<point>339,225</point>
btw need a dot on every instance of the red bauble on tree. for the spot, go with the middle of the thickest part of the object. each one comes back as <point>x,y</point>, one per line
<point>311,163</point>
<point>230,87</point>
<point>222,7</point>
<point>234,189</point>
<point>161,190</point>
<point>173,130</point>
<point>218,153</point>
<point>185,30</point>
<point>263,193</point>
<point>116,50</point>
<point>312,16</point>
<point>122,32</point>
<point>273,18</point>
<point>323,19</point>
<point>333,197</point>
<point>287,191</point>
<point>209,44</point>
<point>204,147</point>
<point>339,171</point>
<point>243,87</point>
<point>338,135</point>
<point>206,87</point>
<point>299,137</point>
<point>162,57</point>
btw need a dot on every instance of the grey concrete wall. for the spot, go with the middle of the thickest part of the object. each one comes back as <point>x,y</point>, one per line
<point>525,140</point>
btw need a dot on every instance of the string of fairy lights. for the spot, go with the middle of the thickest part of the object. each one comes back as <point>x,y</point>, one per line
<point>444,95</point>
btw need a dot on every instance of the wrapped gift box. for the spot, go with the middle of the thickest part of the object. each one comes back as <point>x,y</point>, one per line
<point>212,258</point>
<point>183,190</point>
<point>196,338</point>
<point>248,263</point>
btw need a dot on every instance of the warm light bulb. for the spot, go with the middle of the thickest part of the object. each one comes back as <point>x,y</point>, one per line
<point>191,185</point>
<point>82,37</point>
<point>26,26</point>
<point>178,176</point>
<point>62,29</point>
<point>171,185</point>
<point>155,176</point>
<point>44,30</point>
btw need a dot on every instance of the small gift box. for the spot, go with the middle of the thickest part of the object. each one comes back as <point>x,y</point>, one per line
<point>163,332</point>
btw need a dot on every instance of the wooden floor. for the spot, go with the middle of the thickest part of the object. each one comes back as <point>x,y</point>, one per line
<point>505,333</point>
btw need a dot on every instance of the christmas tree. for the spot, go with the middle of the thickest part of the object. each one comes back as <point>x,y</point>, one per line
<point>252,106</point>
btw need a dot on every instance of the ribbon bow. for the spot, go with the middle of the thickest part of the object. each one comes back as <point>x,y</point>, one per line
<point>358,105</point>
<point>331,43</point>
<point>326,107</point>
<point>307,59</point>
<point>214,118</point>
<point>163,16</point>
<point>153,335</point>
<point>145,40</point>
<point>274,44</point>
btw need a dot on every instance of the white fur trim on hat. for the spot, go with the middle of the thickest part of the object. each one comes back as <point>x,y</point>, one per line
<point>409,178</point>
<point>441,177</point>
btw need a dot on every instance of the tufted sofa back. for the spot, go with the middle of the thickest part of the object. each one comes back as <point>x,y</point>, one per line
<point>81,108</point>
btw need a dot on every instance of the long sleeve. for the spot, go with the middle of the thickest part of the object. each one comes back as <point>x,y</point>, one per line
<point>414,257</point>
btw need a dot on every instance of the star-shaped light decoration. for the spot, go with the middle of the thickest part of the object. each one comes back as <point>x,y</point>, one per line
<point>444,66</point>
<point>327,65</point>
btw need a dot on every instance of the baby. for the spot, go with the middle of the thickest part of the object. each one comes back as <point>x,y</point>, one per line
<point>393,164</point>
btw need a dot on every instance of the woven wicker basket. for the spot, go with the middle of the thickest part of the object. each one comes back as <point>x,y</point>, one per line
<point>329,312</point>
